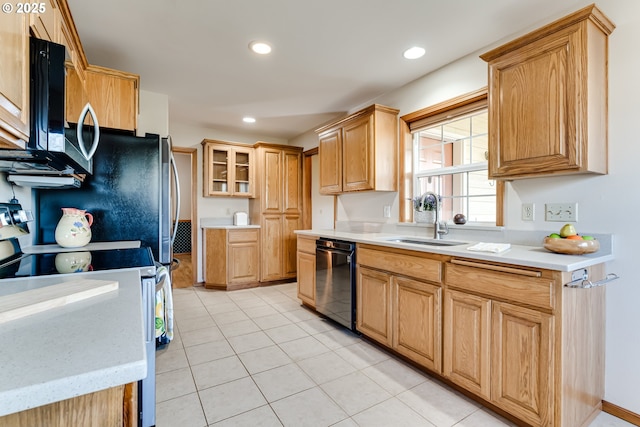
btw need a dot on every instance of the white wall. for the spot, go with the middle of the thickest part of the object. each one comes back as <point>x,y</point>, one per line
<point>154,113</point>
<point>607,204</point>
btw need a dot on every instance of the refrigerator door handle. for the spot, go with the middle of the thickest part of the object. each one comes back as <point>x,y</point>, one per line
<point>177,185</point>
<point>96,136</point>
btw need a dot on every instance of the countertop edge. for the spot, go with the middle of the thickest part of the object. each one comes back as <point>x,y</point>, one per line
<point>44,366</point>
<point>521,255</point>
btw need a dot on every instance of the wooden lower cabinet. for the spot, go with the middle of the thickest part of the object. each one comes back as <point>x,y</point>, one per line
<point>115,406</point>
<point>231,258</point>
<point>307,270</point>
<point>416,319</point>
<point>401,312</point>
<point>467,340</point>
<point>373,306</point>
<point>522,366</point>
<point>538,355</point>
<point>513,336</point>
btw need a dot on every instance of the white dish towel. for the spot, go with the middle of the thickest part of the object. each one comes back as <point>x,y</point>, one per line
<point>489,247</point>
<point>164,309</point>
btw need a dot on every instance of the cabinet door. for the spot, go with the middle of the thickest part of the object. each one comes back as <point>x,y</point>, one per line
<point>14,80</point>
<point>330,152</point>
<point>307,278</point>
<point>534,111</point>
<point>289,245</point>
<point>44,23</point>
<point>272,181</point>
<point>358,155</point>
<point>113,95</point>
<point>467,338</point>
<point>416,312</point>
<point>272,248</point>
<point>373,305</point>
<point>217,170</point>
<point>243,262</point>
<point>522,366</point>
<point>242,165</point>
<point>292,182</point>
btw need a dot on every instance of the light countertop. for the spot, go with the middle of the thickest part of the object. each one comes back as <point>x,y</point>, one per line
<point>231,227</point>
<point>530,256</point>
<point>76,349</point>
<point>92,246</point>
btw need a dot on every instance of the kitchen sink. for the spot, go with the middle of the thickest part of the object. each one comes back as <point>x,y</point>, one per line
<point>426,242</point>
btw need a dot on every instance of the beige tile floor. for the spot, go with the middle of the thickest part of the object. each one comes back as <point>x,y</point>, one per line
<point>258,358</point>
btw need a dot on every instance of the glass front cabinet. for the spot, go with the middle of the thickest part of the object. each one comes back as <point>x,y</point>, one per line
<point>228,169</point>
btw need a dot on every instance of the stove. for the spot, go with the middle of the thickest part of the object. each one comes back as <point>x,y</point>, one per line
<point>77,261</point>
<point>46,260</point>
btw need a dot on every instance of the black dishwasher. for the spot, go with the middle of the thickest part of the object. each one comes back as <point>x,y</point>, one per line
<point>335,281</point>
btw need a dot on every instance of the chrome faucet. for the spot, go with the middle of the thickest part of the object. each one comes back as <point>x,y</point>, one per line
<point>437,230</point>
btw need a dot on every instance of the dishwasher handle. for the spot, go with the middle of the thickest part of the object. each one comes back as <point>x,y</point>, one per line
<point>349,254</point>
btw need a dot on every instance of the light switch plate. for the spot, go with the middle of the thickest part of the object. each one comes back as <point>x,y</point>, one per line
<point>561,212</point>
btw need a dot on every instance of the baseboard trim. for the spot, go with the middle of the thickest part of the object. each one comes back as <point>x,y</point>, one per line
<point>623,414</point>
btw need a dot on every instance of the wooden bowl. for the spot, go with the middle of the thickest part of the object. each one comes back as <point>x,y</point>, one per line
<point>570,246</point>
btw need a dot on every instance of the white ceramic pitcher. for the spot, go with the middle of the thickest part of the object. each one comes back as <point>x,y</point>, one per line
<point>74,228</point>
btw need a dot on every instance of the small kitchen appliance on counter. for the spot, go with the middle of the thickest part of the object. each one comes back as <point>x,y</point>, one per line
<point>240,218</point>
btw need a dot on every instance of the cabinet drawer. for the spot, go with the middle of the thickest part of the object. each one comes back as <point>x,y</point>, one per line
<point>307,244</point>
<point>401,264</point>
<point>520,288</point>
<point>244,235</point>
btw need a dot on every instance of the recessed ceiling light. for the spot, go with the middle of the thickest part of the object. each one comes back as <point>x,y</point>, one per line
<point>414,52</point>
<point>261,48</point>
<point>248,120</point>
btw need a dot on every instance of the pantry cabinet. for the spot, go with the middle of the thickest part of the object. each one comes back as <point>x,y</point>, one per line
<point>359,152</point>
<point>231,257</point>
<point>113,94</point>
<point>228,169</point>
<point>14,80</point>
<point>548,99</point>
<point>277,207</point>
<point>307,270</point>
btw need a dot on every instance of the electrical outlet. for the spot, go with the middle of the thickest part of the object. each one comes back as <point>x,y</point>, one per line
<point>528,211</point>
<point>386,211</point>
<point>561,212</point>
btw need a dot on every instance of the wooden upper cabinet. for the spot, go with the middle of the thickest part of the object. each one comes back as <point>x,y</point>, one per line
<point>548,99</point>
<point>228,169</point>
<point>14,80</point>
<point>113,95</point>
<point>280,170</point>
<point>46,23</point>
<point>330,150</point>
<point>360,152</point>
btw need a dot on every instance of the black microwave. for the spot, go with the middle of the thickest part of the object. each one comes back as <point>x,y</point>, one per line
<point>51,149</point>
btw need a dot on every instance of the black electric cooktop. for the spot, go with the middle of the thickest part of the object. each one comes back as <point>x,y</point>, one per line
<point>29,265</point>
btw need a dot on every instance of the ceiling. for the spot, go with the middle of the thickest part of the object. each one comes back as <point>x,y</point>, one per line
<point>328,56</point>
